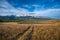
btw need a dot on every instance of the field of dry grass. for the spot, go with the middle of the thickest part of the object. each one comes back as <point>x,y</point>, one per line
<point>10,30</point>
<point>14,31</point>
<point>46,32</point>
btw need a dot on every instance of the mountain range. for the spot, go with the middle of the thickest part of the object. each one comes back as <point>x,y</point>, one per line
<point>24,17</point>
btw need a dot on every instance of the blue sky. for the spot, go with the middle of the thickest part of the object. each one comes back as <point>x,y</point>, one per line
<point>48,8</point>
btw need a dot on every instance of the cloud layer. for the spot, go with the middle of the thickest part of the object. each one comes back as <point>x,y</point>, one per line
<point>7,9</point>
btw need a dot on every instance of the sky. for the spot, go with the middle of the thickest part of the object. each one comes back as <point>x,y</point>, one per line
<point>48,8</point>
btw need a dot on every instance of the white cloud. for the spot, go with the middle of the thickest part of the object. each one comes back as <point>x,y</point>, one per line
<point>49,12</point>
<point>5,4</point>
<point>27,6</point>
<point>7,9</point>
<point>36,5</point>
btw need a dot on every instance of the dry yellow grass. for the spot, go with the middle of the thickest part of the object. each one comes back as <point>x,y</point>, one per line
<point>48,31</point>
<point>8,31</point>
<point>26,35</point>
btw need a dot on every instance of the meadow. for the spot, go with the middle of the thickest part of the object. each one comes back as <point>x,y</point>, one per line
<point>49,30</point>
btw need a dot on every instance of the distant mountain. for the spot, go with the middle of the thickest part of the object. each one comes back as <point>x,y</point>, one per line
<point>8,17</point>
<point>25,17</point>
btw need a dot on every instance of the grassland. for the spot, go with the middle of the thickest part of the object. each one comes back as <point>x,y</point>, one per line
<point>10,30</point>
<point>49,30</point>
<point>25,21</point>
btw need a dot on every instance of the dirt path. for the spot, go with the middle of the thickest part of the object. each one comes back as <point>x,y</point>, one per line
<point>27,35</point>
<point>30,34</point>
<point>20,34</point>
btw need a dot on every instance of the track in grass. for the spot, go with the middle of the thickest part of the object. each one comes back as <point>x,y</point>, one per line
<point>27,35</point>
<point>30,34</point>
<point>20,34</point>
